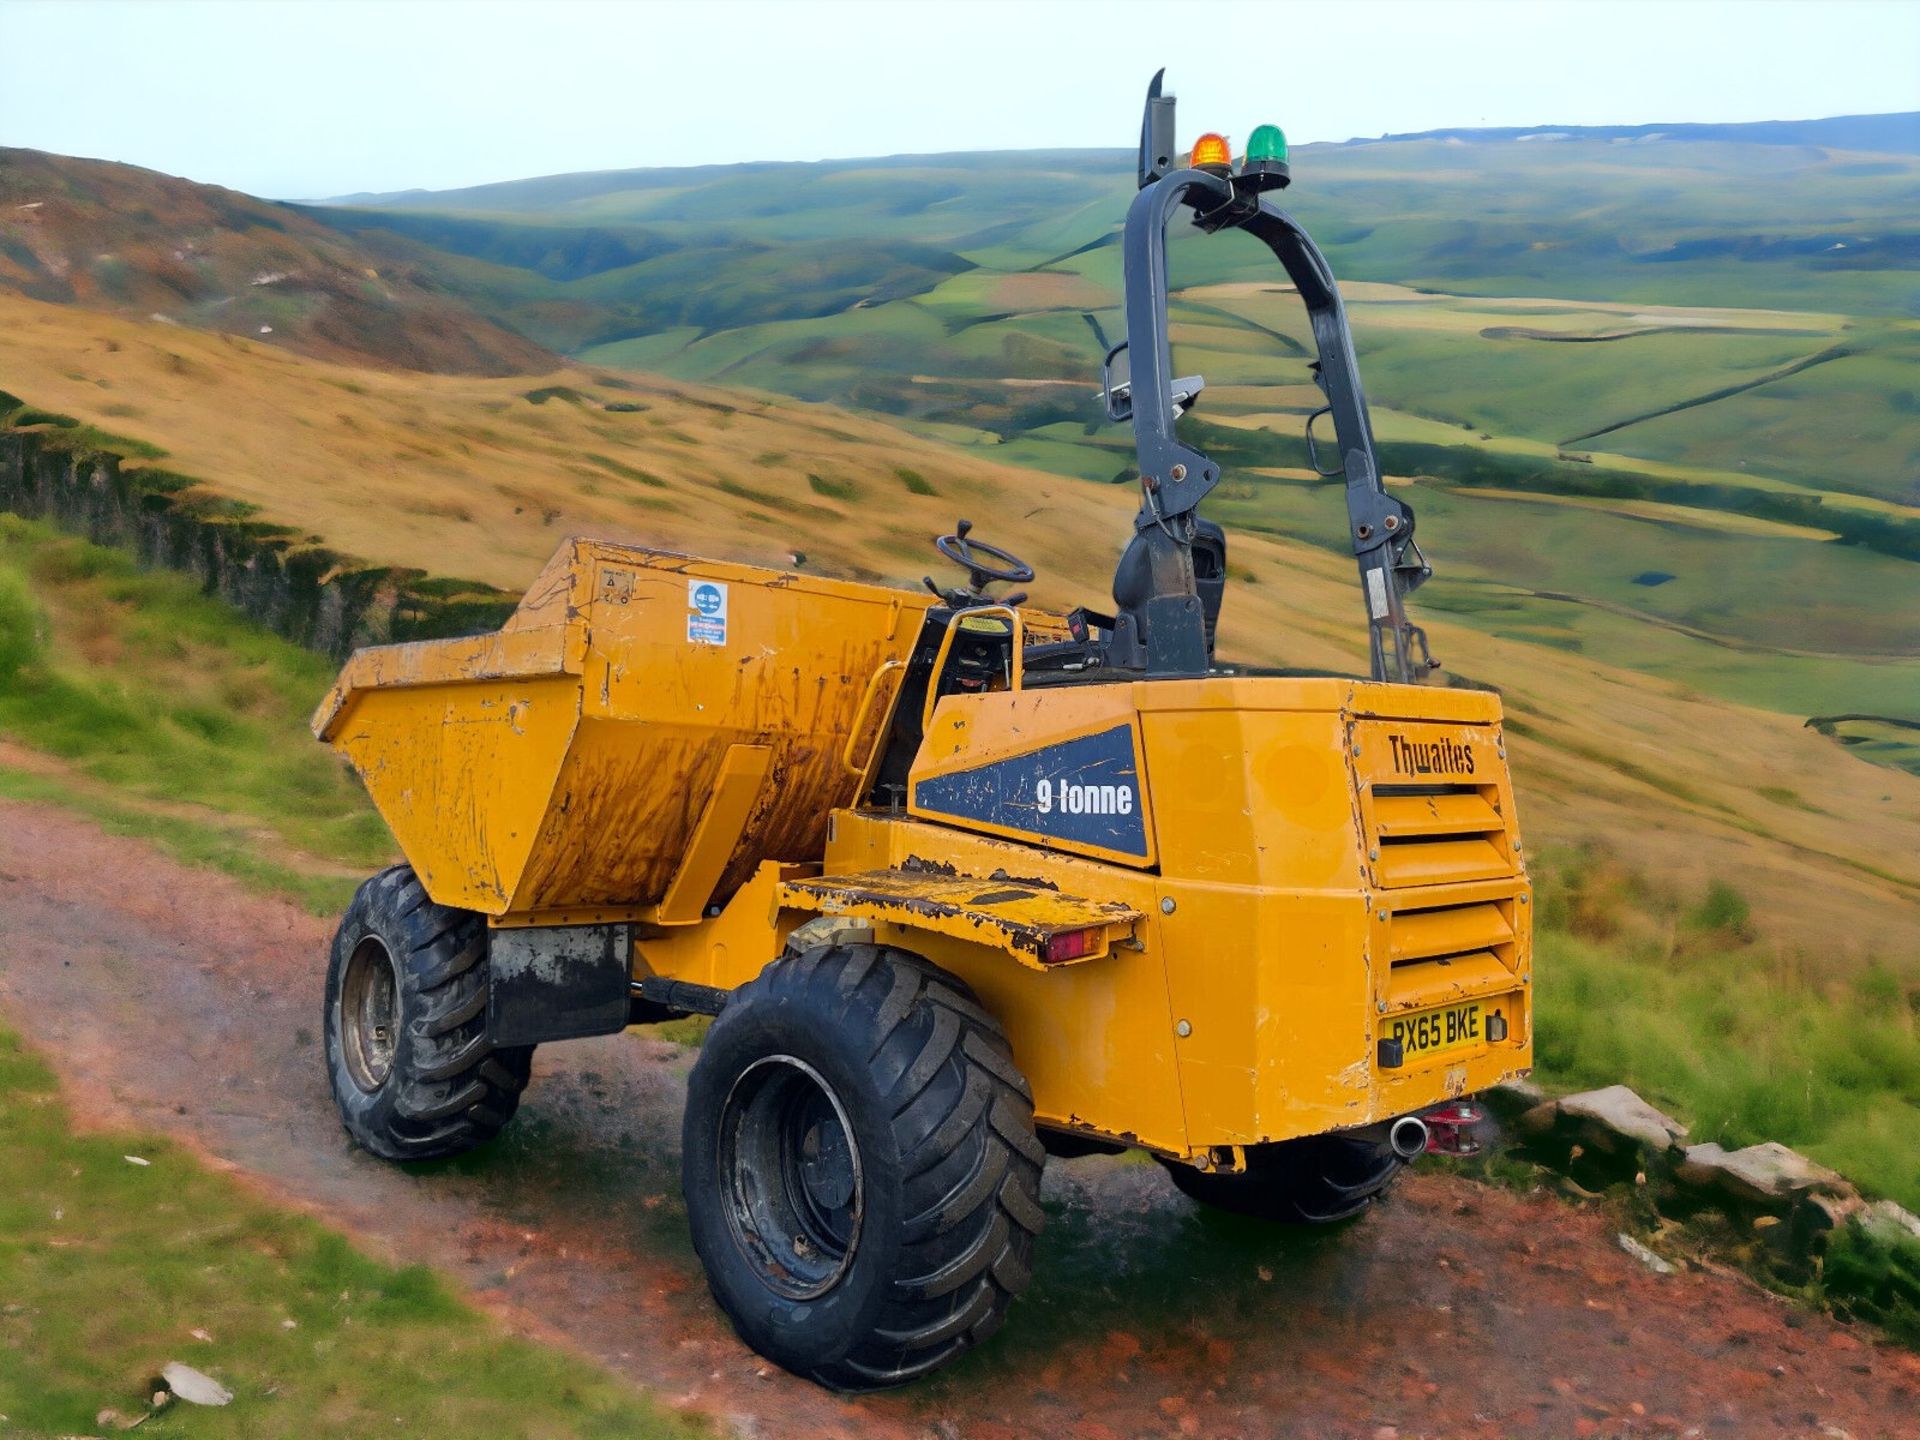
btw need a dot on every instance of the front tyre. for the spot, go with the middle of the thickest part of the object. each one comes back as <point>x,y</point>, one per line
<point>861,1172</point>
<point>413,1069</point>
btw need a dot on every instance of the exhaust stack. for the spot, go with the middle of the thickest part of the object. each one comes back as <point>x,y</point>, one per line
<point>1408,1136</point>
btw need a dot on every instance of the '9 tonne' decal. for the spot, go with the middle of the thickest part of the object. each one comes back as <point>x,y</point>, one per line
<point>1084,790</point>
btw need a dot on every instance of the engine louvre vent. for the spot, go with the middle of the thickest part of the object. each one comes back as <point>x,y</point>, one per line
<point>1438,834</point>
<point>1441,953</point>
<point>1450,931</point>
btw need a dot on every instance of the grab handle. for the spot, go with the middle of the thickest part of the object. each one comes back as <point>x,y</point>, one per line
<point>863,717</point>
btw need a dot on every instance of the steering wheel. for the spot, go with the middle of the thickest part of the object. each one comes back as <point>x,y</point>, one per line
<point>981,561</point>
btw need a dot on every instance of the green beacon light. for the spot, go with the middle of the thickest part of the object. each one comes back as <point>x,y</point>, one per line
<point>1267,142</point>
<point>1266,159</point>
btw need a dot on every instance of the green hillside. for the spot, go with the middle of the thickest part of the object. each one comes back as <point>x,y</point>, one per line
<point>1657,388</point>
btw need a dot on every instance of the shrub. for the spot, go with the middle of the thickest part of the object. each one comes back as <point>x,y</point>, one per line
<point>1876,1273</point>
<point>1723,910</point>
<point>20,628</point>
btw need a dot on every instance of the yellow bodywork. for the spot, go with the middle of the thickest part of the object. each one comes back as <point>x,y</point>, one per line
<point>598,758</point>
<point>1317,865</point>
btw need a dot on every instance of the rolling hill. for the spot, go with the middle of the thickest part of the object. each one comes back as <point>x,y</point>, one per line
<point>115,237</point>
<point>1656,385</point>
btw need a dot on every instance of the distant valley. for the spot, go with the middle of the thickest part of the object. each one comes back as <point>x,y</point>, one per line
<point>1682,362</point>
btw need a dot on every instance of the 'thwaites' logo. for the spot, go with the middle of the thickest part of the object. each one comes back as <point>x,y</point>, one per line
<point>1430,757</point>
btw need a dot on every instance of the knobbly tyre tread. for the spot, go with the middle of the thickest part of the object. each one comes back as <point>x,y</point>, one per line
<point>451,1087</point>
<point>964,1153</point>
<point>1318,1180</point>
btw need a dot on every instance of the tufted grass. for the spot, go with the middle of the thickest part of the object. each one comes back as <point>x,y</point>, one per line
<point>1745,1040</point>
<point>108,1267</point>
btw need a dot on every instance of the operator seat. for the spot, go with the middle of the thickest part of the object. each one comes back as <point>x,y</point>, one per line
<point>1065,661</point>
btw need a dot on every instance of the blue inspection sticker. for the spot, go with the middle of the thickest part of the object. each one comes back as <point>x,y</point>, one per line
<point>1085,790</point>
<point>706,612</point>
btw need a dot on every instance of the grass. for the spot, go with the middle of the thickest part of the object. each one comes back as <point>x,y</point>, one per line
<point>1739,1036</point>
<point>167,713</point>
<point>1876,1275</point>
<point>107,1268</point>
<point>376,470</point>
<point>831,487</point>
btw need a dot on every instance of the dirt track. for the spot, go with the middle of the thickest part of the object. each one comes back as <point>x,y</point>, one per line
<point>171,999</point>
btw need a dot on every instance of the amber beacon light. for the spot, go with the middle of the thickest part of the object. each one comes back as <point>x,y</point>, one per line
<point>1212,152</point>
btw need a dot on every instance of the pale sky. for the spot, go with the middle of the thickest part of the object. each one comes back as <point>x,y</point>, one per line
<point>312,98</point>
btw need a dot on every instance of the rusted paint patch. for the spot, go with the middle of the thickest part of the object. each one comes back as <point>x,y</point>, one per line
<point>914,865</point>
<point>1032,882</point>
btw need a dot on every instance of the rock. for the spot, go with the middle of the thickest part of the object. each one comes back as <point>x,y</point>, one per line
<point>1645,1256</point>
<point>193,1387</point>
<point>1889,1221</point>
<point>1613,1123</point>
<point>1821,1211</point>
<point>1615,1119</point>
<point>1768,1176</point>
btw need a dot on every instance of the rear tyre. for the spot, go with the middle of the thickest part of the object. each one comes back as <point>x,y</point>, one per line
<point>861,1172</point>
<point>413,1070</point>
<point>1315,1181</point>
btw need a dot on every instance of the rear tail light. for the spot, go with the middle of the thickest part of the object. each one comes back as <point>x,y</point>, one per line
<point>1071,945</point>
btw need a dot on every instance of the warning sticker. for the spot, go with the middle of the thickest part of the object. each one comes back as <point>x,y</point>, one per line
<point>706,612</point>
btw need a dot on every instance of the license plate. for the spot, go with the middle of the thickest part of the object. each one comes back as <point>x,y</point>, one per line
<point>1434,1032</point>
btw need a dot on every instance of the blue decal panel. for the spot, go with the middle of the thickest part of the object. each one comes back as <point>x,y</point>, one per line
<point>1085,790</point>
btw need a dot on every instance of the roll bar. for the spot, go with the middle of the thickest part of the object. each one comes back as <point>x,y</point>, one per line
<point>1159,624</point>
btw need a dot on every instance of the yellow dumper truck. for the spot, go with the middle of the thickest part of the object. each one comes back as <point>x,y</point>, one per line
<point>964,884</point>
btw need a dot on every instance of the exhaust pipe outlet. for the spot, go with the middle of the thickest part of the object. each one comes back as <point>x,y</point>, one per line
<point>1408,1136</point>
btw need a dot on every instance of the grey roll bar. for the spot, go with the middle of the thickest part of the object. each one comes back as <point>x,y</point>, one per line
<point>1159,626</point>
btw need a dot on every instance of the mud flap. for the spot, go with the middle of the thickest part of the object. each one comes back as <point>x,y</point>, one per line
<point>558,983</point>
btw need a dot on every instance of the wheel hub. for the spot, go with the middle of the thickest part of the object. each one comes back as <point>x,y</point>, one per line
<point>826,1164</point>
<point>369,1014</point>
<point>790,1174</point>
